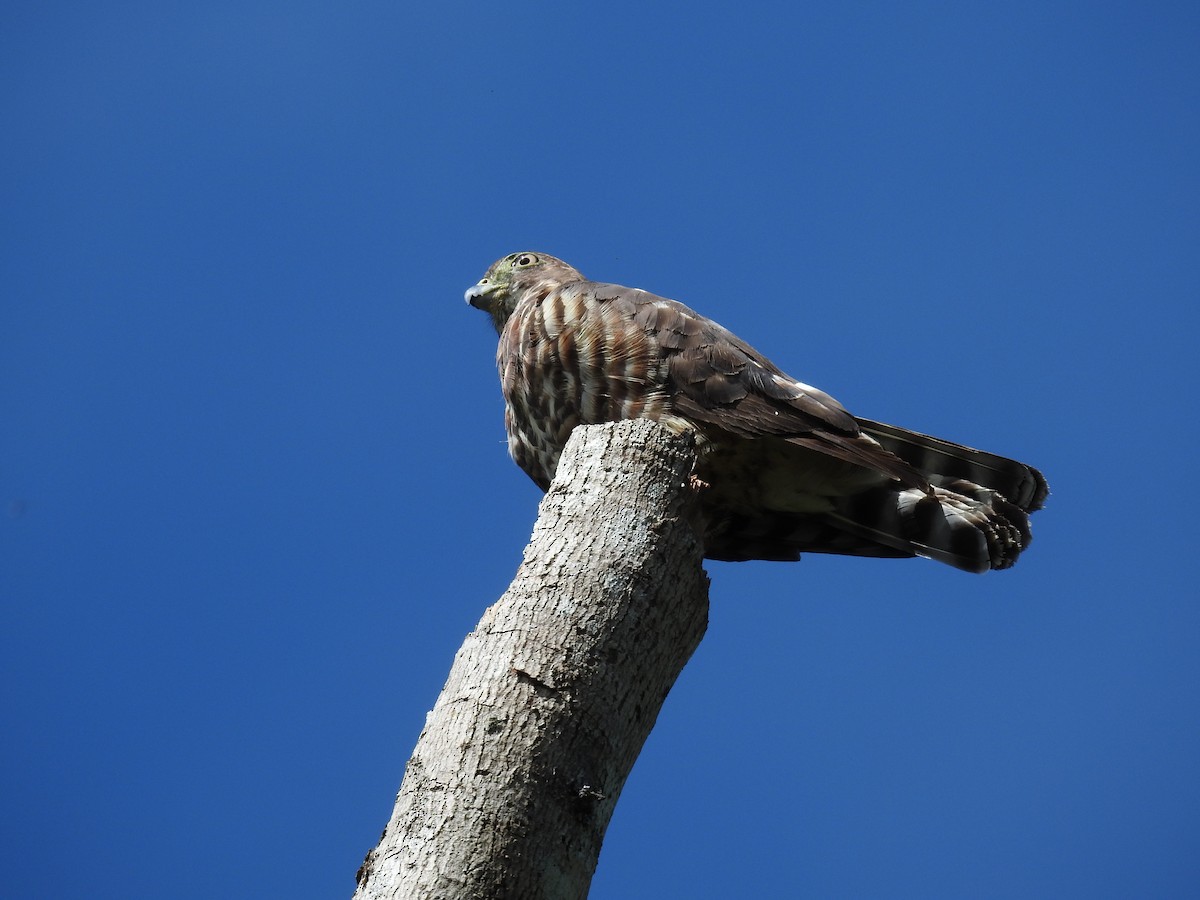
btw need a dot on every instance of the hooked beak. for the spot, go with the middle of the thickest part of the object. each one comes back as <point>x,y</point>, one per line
<point>477,294</point>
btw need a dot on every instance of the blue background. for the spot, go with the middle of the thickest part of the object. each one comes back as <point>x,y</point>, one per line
<point>254,484</point>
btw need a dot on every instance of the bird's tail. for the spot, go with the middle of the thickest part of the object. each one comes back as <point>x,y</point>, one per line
<point>974,515</point>
<point>968,508</point>
<point>1016,482</point>
<point>955,521</point>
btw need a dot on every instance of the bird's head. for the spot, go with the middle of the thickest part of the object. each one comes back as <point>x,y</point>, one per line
<point>510,279</point>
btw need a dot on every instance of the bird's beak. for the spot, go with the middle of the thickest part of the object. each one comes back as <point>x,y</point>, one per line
<point>477,294</point>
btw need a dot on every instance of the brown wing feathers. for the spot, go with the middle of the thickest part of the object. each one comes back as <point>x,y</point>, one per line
<point>723,382</point>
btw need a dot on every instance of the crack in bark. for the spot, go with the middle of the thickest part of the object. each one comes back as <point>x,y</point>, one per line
<point>541,687</point>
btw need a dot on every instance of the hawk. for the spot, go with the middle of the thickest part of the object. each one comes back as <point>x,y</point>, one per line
<point>787,469</point>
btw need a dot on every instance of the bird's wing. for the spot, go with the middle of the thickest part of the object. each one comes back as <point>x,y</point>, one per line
<point>720,382</point>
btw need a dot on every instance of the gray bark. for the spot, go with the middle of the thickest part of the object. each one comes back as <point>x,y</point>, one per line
<point>514,779</point>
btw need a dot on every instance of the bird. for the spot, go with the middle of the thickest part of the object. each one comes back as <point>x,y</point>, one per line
<point>785,469</point>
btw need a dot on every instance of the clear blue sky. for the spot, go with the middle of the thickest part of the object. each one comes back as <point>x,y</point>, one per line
<point>252,473</point>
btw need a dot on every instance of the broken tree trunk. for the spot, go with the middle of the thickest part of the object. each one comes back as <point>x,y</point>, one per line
<point>514,779</point>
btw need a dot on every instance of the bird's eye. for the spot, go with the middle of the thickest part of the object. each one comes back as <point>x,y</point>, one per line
<point>526,259</point>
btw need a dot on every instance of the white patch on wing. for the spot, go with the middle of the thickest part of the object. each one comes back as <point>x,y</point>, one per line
<point>800,389</point>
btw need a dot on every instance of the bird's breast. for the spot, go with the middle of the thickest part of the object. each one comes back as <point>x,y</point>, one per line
<point>568,359</point>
